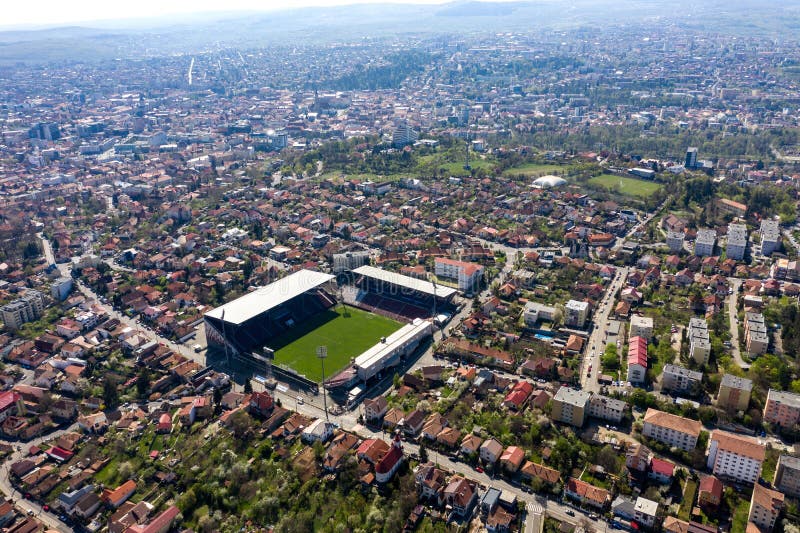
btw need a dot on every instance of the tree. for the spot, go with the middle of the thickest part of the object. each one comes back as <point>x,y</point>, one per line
<point>217,397</point>
<point>423,454</point>
<point>143,382</point>
<point>110,392</point>
<point>248,387</point>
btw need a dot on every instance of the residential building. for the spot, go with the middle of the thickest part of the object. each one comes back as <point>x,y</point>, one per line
<point>735,457</point>
<point>641,326</point>
<point>765,507</point>
<point>570,406</point>
<point>787,476</point>
<point>782,408</point>
<point>675,241</point>
<point>661,470</point>
<point>490,451</point>
<point>755,334</point>
<point>770,236</point>
<point>606,408</point>
<point>61,288</point>
<point>576,313</point>
<point>349,261</point>
<point>704,242</point>
<point>586,493</point>
<point>535,311</point>
<point>403,134</point>
<point>468,275</point>
<point>637,457</point>
<point>734,392</point>
<point>679,379</point>
<point>645,511</point>
<point>710,492</point>
<point>460,495</point>
<point>116,497</point>
<point>674,430</point>
<point>637,360</point>
<point>512,458</point>
<point>318,430</point>
<point>375,408</point>
<point>22,310</point>
<point>699,341</point>
<point>737,241</point>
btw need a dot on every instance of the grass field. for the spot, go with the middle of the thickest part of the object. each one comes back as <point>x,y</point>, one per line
<point>626,186</point>
<point>347,333</point>
<point>535,170</point>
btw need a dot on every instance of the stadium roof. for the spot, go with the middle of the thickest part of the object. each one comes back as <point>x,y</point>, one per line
<point>407,282</point>
<point>269,297</point>
<point>376,355</point>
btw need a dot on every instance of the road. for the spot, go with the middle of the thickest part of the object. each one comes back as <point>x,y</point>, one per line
<point>733,320</point>
<point>49,519</point>
<point>596,343</point>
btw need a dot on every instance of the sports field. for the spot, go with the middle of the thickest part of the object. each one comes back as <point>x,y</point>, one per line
<point>535,170</point>
<point>626,186</point>
<point>346,332</point>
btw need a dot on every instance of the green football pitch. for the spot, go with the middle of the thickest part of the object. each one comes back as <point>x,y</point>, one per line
<point>346,332</point>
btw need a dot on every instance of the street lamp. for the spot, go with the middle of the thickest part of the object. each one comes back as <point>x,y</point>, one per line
<point>322,353</point>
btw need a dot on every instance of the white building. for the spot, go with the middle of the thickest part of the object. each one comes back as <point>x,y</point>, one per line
<point>735,457</point>
<point>576,313</point>
<point>704,243</point>
<point>699,341</point>
<point>675,241</point>
<point>468,275</point>
<point>737,241</point>
<point>641,326</point>
<point>670,429</point>
<point>318,430</point>
<point>679,379</point>
<point>535,311</point>
<point>770,237</point>
<point>645,511</point>
<point>22,310</point>
<point>606,408</point>
<point>349,261</point>
<point>403,134</point>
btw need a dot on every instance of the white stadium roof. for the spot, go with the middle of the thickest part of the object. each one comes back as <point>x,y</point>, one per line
<point>546,182</point>
<point>269,297</point>
<point>408,282</point>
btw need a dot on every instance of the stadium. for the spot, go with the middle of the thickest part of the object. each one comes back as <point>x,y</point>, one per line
<point>382,319</point>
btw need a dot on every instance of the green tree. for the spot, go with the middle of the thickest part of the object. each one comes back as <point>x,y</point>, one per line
<point>110,392</point>
<point>143,382</point>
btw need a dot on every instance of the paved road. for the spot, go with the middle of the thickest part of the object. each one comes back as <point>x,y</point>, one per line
<point>596,344</point>
<point>49,519</point>
<point>734,323</point>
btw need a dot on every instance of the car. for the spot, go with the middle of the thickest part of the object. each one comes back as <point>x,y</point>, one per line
<point>593,516</point>
<point>300,400</point>
<point>197,348</point>
<point>569,512</point>
<point>45,507</point>
<point>479,470</point>
<point>30,512</point>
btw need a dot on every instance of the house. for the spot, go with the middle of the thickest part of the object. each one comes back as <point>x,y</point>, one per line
<point>159,524</point>
<point>531,471</point>
<point>637,457</point>
<point>319,430</point>
<point>460,495</point>
<point>434,424</point>
<point>375,408</point>
<point>372,450</point>
<point>93,423</point>
<point>586,493</point>
<point>710,492</point>
<point>87,505</point>
<point>645,512</point>
<point>490,451</point>
<point>448,437</point>
<point>115,498</point>
<point>393,418</point>
<point>430,481</point>
<point>164,424</point>
<point>765,507</point>
<point>512,458</point>
<point>260,404</point>
<point>337,451</point>
<point>671,429</point>
<point>661,470</point>
<point>735,457</point>
<point>412,423</point>
<point>518,395</point>
<point>471,444</point>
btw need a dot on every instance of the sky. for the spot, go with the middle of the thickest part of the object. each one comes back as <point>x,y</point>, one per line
<point>61,12</point>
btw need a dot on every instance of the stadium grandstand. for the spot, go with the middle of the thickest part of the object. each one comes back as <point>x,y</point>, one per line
<point>244,326</point>
<point>395,295</point>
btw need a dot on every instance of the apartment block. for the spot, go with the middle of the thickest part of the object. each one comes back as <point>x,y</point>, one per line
<point>535,311</point>
<point>570,406</point>
<point>637,360</point>
<point>765,507</point>
<point>787,476</point>
<point>737,241</point>
<point>735,457</point>
<point>468,275</point>
<point>770,237</point>
<point>641,326</point>
<point>755,334</point>
<point>782,408</point>
<point>670,429</point>
<point>645,512</point>
<point>699,341</point>
<point>704,242</point>
<point>682,380</point>
<point>675,241</point>
<point>606,408</point>
<point>734,392</point>
<point>22,310</point>
<point>576,313</point>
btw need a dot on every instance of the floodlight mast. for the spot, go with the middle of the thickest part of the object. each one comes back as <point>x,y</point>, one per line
<point>322,353</point>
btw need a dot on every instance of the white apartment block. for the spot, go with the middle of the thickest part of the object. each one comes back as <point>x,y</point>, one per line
<point>676,431</point>
<point>606,408</point>
<point>468,275</point>
<point>679,379</point>
<point>699,341</point>
<point>675,241</point>
<point>645,511</point>
<point>535,311</point>
<point>755,334</point>
<point>576,313</point>
<point>765,507</point>
<point>22,310</point>
<point>735,457</point>
<point>770,237</point>
<point>704,243</point>
<point>641,326</point>
<point>737,241</point>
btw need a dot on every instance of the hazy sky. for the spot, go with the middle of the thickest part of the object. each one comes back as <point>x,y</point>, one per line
<point>58,12</point>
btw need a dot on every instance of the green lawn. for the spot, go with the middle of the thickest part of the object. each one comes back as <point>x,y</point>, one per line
<point>535,170</point>
<point>689,493</point>
<point>347,333</point>
<point>626,186</point>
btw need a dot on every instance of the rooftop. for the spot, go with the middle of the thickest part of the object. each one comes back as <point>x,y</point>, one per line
<point>399,280</point>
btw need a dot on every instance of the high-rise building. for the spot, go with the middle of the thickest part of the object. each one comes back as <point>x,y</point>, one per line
<point>782,408</point>
<point>704,242</point>
<point>765,507</point>
<point>734,392</point>
<point>349,261</point>
<point>570,406</point>
<point>787,475</point>
<point>737,241</point>
<point>699,341</point>
<point>735,457</point>
<point>770,237</point>
<point>25,309</point>
<point>403,134</point>
<point>691,158</point>
<point>576,313</point>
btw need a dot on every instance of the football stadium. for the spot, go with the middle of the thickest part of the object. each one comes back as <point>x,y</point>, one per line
<point>383,320</point>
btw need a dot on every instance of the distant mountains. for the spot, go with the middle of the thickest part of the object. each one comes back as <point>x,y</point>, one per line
<point>192,33</point>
